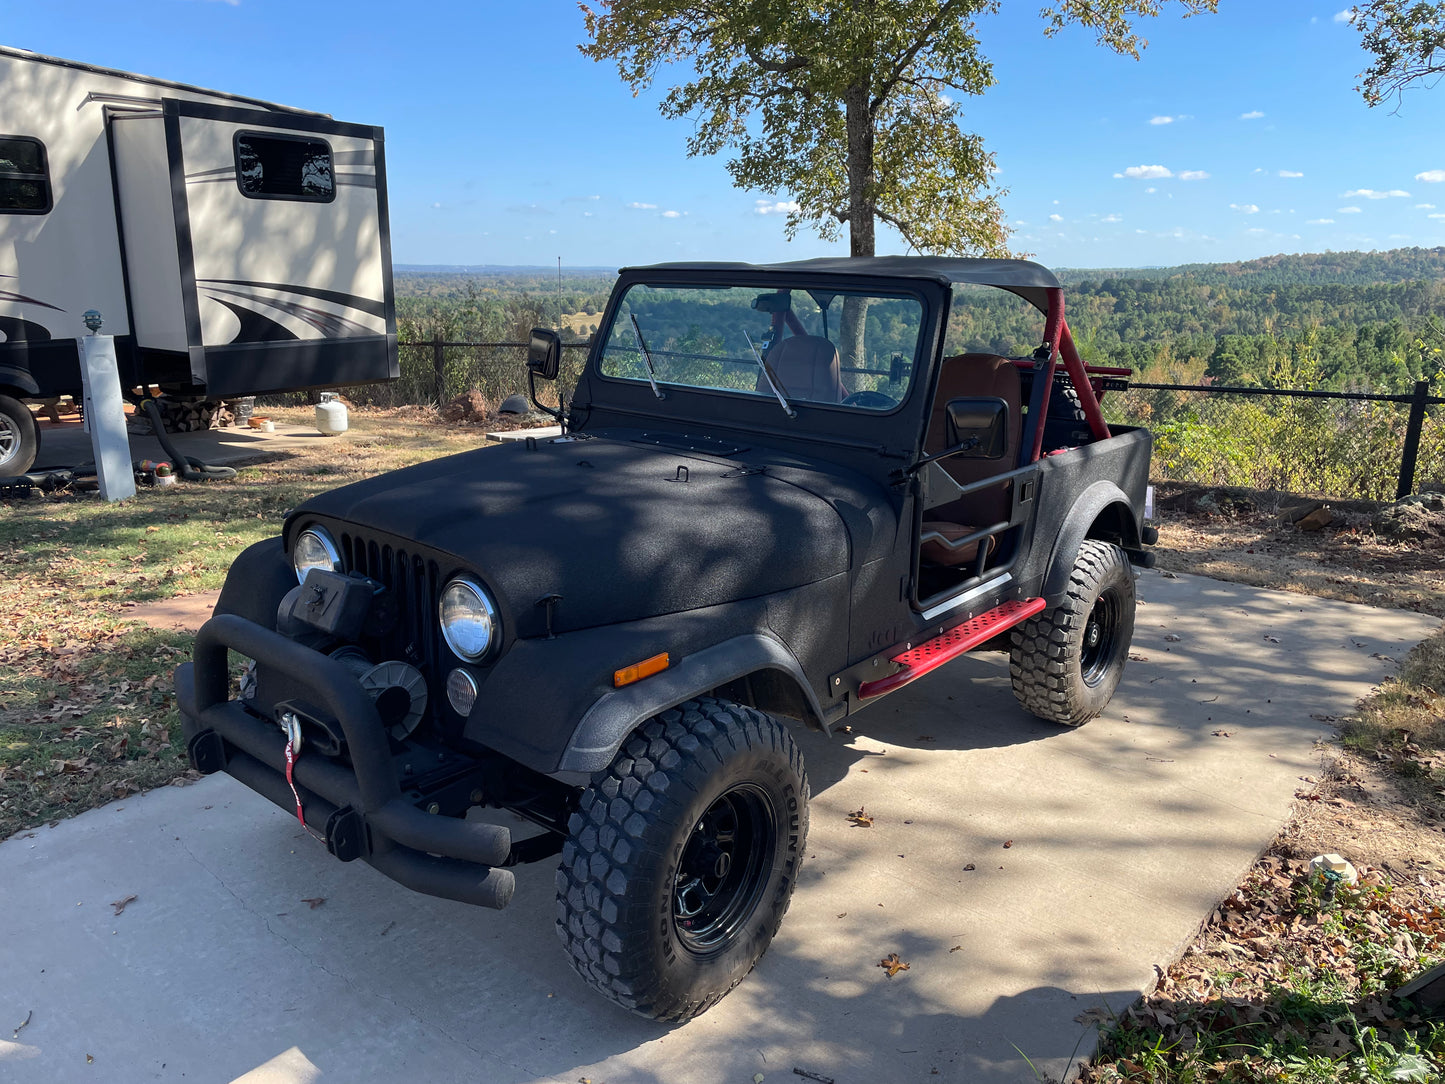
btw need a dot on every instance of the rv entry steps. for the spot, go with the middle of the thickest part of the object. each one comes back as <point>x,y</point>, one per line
<point>931,654</point>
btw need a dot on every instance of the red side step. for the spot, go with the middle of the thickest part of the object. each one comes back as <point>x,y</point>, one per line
<point>949,645</point>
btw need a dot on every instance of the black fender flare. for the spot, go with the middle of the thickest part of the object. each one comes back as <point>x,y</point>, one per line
<point>257,582</point>
<point>1089,505</point>
<point>15,379</point>
<point>611,718</point>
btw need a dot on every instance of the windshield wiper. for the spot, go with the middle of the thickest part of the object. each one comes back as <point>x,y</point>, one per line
<point>763,365</point>
<point>647,357</point>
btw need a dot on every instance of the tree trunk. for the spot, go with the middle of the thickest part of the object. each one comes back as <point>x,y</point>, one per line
<point>861,240</point>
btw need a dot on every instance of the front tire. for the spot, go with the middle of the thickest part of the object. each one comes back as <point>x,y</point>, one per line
<point>682,858</point>
<point>1066,662</point>
<point>19,437</point>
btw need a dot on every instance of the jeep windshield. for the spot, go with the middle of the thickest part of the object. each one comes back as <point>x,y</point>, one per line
<point>804,345</point>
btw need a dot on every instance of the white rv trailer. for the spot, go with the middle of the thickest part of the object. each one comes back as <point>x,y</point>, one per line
<point>233,247</point>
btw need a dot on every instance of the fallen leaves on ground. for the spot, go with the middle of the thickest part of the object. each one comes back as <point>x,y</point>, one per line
<point>22,1025</point>
<point>314,902</point>
<point>121,903</point>
<point>860,819</point>
<point>892,964</point>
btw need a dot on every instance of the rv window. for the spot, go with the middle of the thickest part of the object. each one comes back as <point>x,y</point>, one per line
<point>24,180</point>
<point>283,167</point>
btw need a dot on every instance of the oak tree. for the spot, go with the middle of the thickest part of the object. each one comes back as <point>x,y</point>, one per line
<point>1406,39</point>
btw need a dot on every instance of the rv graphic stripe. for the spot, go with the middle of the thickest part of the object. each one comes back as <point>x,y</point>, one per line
<point>329,324</point>
<point>368,305</point>
<point>256,328</point>
<point>17,330</point>
<point>8,295</point>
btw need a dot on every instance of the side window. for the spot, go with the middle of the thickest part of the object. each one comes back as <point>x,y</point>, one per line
<point>24,178</point>
<point>284,167</point>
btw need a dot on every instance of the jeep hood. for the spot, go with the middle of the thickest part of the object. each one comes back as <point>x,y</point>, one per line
<point>620,530</point>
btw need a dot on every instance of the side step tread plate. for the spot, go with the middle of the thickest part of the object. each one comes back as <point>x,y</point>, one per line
<point>933,653</point>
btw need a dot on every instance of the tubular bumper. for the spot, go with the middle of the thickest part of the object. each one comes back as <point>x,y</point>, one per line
<point>362,808</point>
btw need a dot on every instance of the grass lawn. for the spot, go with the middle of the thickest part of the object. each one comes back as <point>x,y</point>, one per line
<point>86,709</point>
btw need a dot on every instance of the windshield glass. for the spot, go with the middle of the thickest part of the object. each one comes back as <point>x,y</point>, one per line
<point>815,346</point>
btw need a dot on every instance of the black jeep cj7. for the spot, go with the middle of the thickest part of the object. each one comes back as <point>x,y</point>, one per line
<point>774,501</point>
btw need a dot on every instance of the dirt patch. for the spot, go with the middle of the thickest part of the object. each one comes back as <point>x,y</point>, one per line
<point>184,613</point>
<point>1389,555</point>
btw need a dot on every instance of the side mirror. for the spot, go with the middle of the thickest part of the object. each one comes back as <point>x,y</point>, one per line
<point>544,353</point>
<point>977,427</point>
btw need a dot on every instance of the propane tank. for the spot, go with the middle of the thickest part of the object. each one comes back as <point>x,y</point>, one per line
<point>330,415</point>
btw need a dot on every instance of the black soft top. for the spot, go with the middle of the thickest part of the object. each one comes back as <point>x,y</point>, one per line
<point>1029,280</point>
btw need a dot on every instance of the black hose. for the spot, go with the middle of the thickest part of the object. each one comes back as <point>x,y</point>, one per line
<point>188,467</point>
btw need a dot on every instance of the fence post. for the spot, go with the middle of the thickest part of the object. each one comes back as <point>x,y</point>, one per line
<point>1412,439</point>
<point>439,365</point>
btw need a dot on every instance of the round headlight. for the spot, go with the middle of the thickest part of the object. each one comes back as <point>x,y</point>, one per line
<point>314,549</point>
<point>469,620</point>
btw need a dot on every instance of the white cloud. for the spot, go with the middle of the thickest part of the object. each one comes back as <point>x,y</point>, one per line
<point>1245,208</point>
<point>1435,216</point>
<point>1371,193</point>
<point>1346,16</point>
<point>643,206</point>
<point>1111,218</point>
<point>1161,120</point>
<point>1256,229</point>
<point>1320,222</point>
<point>1347,210</point>
<point>1146,173</point>
<point>1424,206</point>
<point>1290,173</point>
<point>1150,190</point>
<point>945,99</point>
<point>1193,175</point>
<point>1056,218</point>
<point>436,206</point>
<point>781,207</point>
<point>1431,176</point>
<point>1253,114</point>
<point>672,214</point>
<point>586,214</point>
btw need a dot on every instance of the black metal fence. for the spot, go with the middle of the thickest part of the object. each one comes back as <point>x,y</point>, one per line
<point>1318,443</point>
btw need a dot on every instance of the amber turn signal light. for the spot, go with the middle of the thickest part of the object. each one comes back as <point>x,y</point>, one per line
<point>639,670</point>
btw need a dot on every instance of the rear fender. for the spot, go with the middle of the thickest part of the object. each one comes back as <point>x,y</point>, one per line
<point>17,382</point>
<point>778,683</point>
<point>1102,511</point>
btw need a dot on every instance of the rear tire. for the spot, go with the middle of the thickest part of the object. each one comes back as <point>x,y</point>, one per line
<point>682,858</point>
<point>19,437</point>
<point>1066,662</point>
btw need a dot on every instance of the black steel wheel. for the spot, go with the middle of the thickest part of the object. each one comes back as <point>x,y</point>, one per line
<point>682,857</point>
<point>1066,663</point>
<point>19,437</point>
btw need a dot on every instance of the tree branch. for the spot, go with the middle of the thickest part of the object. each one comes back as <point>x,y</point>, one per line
<point>906,60</point>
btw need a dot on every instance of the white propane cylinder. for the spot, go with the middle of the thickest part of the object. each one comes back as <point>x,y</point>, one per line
<point>330,415</point>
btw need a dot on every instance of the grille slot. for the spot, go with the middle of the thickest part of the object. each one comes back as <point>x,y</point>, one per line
<point>412,579</point>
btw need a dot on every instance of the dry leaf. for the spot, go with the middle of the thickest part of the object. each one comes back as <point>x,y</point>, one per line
<point>1221,733</point>
<point>315,901</point>
<point>119,904</point>
<point>1008,843</point>
<point>955,948</point>
<point>23,1023</point>
<point>970,867</point>
<point>892,964</point>
<point>860,819</point>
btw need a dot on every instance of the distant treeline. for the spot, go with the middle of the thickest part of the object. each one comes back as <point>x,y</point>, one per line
<point>1352,320</point>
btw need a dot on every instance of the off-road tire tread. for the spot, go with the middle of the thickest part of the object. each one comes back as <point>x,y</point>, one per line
<point>1044,652</point>
<point>633,805</point>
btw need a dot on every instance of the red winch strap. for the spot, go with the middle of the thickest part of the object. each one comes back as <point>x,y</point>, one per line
<point>291,782</point>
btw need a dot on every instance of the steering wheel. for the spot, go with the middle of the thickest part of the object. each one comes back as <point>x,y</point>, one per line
<point>870,400</point>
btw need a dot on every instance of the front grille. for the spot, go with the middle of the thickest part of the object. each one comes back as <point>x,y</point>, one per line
<point>412,582</point>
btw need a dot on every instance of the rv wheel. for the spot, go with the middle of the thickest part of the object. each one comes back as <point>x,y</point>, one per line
<point>682,858</point>
<point>1066,662</point>
<point>19,437</point>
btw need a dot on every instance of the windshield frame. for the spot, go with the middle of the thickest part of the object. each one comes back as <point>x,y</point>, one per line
<point>921,291</point>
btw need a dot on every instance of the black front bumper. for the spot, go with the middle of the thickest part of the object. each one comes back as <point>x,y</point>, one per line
<point>361,807</point>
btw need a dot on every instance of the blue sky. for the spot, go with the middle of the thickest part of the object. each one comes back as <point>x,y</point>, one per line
<point>1237,135</point>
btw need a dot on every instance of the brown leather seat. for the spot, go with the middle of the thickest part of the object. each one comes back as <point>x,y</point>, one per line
<point>807,368</point>
<point>961,377</point>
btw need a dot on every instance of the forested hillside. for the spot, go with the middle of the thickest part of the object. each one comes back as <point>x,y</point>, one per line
<point>1356,320</point>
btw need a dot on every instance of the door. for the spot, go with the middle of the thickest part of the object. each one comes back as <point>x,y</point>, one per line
<point>284,255</point>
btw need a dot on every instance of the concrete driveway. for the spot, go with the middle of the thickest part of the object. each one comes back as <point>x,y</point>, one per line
<point>1094,855</point>
<point>67,444</point>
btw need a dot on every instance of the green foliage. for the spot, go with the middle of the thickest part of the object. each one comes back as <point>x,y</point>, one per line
<point>1406,40</point>
<point>843,104</point>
